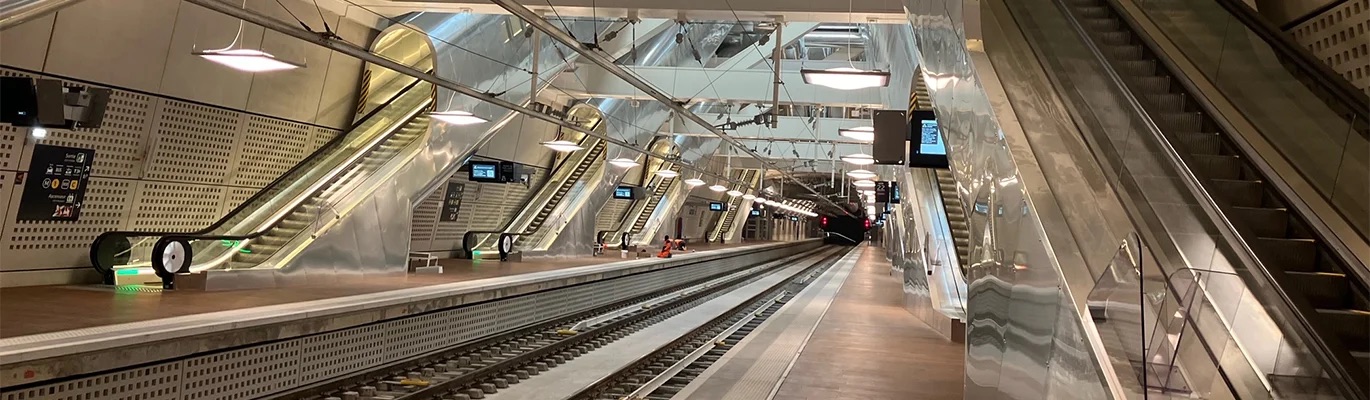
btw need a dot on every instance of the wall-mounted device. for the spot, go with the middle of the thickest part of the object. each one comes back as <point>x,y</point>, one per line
<point>929,150</point>
<point>485,171</point>
<point>629,192</point>
<point>891,137</point>
<point>47,103</point>
<point>717,206</point>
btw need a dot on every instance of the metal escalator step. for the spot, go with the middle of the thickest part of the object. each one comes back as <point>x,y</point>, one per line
<point>1218,166</point>
<point>253,258</point>
<point>1263,222</point>
<point>1111,39</point>
<point>272,240</point>
<point>1132,52</point>
<point>1101,24</point>
<point>1301,387</point>
<point>1324,289</point>
<point>1138,68</point>
<point>1180,121</point>
<point>1239,193</point>
<point>1199,142</point>
<point>1289,255</point>
<point>1351,326</point>
<point>233,264</point>
<point>1167,102</point>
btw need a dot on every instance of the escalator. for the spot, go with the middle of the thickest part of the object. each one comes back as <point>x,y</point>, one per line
<point>283,214</point>
<point>567,176</point>
<point>1322,287</point>
<point>724,227</point>
<point>956,216</point>
<point>663,185</point>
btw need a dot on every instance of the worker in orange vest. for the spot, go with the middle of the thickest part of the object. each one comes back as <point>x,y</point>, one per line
<point>666,248</point>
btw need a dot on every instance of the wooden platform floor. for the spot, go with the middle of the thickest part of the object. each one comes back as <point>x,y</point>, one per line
<point>869,347</point>
<point>45,309</point>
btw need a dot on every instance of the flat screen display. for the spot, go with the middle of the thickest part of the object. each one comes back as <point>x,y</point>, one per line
<point>716,206</point>
<point>623,192</point>
<point>756,213</point>
<point>929,150</point>
<point>482,171</point>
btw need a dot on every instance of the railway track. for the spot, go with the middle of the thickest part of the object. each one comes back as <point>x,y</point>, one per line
<point>480,369</point>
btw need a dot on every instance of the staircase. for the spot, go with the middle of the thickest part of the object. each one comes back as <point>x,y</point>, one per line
<point>1305,269</point>
<point>956,216</point>
<point>262,248</point>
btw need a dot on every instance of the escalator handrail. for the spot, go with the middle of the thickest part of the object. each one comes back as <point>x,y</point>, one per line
<point>1245,254</point>
<point>334,142</point>
<point>1355,101</point>
<point>623,221</point>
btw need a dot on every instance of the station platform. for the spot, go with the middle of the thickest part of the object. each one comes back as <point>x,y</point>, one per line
<point>846,337</point>
<point>55,331</point>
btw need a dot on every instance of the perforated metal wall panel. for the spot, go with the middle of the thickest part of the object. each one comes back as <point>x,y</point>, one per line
<point>175,207</point>
<point>484,206</point>
<point>193,143</point>
<point>1338,36</point>
<point>160,164</point>
<point>157,382</point>
<point>269,148</point>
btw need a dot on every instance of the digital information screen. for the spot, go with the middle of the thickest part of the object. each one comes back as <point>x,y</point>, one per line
<point>484,171</point>
<point>756,213</point>
<point>716,206</point>
<point>930,151</point>
<point>623,192</point>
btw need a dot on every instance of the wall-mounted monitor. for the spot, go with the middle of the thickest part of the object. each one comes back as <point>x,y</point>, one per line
<point>628,192</point>
<point>485,171</point>
<point>717,206</point>
<point>929,150</point>
<point>756,213</point>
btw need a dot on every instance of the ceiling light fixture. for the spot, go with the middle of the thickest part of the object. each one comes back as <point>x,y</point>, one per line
<point>562,145</point>
<point>247,60</point>
<point>863,183</point>
<point>718,188</point>
<point>693,182</point>
<point>734,193</point>
<point>859,159</point>
<point>862,133</point>
<point>622,162</point>
<point>666,173</point>
<point>749,196</point>
<point>38,132</point>
<point>457,117</point>
<point>861,174</point>
<point>844,78</point>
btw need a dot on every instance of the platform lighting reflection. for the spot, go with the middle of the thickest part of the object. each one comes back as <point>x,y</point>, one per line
<point>693,182</point>
<point>622,162</point>
<point>859,159</point>
<point>861,174</point>
<point>248,60</point>
<point>666,173</point>
<point>561,145</point>
<point>845,78</point>
<point>718,188</point>
<point>457,117</point>
<point>862,133</point>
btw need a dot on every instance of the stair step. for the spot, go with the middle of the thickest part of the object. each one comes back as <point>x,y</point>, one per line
<point>1199,143</point>
<point>1264,222</point>
<point>1218,166</point>
<point>1352,327</point>
<point>1288,255</point>
<point>1238,193</point>
<point>1180,121</point>
<point>1323,289</point>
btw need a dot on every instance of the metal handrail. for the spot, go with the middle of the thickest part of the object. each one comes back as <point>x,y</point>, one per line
<point>468,245</point>
<point>1228,231</point>
<point>304,163</point>
<point>538,195</point>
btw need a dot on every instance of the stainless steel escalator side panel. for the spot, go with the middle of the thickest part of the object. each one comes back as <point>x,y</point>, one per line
<point>922,208</point>
<point>694,149</point>
<point>372,239</point>
<point>1029,333</point>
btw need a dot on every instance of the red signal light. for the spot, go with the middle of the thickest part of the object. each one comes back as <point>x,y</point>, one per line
<point>867,223</point>
<point>823,221</point>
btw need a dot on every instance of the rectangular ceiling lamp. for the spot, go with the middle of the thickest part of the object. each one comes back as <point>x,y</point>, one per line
<point>247,60</point>
<point>845,78</point>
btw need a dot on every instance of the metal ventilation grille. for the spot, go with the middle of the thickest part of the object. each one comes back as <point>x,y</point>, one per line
<point>425,220</point>
<point>236,197</point>
<point>270,148</point>
<point>119,141</point>
<point>320,135</point>
<point>259,371</point>
<point>175,207</point>
<point>1339,37</point>
<point>10,141</point>
<point>157,382</point>
<point>193,143</point>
